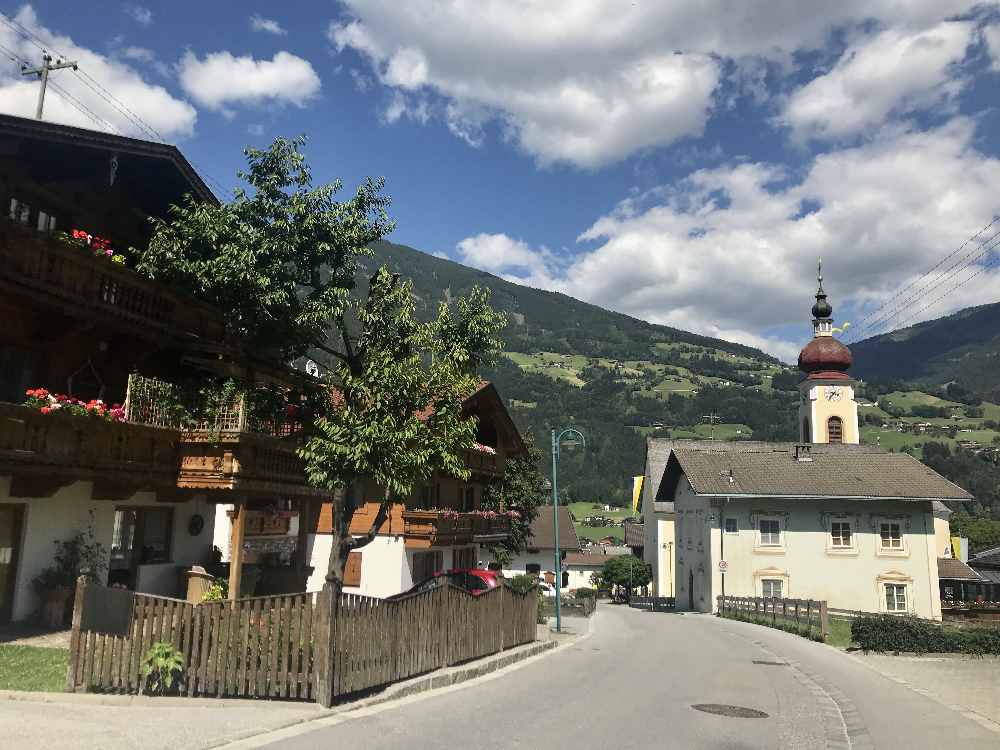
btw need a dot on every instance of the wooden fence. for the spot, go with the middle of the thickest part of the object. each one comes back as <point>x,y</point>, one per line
<point>302,646</point>
<point>801,613</point>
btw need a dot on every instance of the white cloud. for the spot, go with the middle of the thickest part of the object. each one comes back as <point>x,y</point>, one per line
<point>267,25</point>
<point>992,36</point>
<point>168,115</point>
<point>730,251</point>
<point>221,79</point>
<point>589,83</point>
<point>891,71</point>
<point>255,128</point>
<point>142,16</point>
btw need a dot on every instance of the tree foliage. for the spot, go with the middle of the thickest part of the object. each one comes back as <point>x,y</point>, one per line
<point>522,489</point>
<point>398,415</point>
<point>280,259</point>
<point>625,571</point>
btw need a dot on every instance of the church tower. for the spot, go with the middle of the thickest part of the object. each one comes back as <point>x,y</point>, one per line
<point>828,412</point>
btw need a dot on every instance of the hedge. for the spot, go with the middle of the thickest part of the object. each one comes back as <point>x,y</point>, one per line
<point>894,633</point>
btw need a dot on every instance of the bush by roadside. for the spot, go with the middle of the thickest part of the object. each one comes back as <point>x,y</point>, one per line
<point>911,634</point>
<point>789,627</point>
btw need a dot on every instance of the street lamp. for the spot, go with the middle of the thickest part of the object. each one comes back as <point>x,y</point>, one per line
<point>556,440</point>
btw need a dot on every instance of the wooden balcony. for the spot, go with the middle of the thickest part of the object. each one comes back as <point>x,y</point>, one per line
<point>43,452</point>
<point>242,463</point>
<point>81,285</point>
<point>433,528</point>
<point>483,463</point>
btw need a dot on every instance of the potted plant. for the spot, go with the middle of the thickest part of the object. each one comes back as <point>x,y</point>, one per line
<point>80,555</point>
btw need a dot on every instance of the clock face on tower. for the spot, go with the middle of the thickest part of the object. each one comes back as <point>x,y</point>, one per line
<point>833,394</point>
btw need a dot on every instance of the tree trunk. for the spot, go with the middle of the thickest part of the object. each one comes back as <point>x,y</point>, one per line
<point>342,543</point>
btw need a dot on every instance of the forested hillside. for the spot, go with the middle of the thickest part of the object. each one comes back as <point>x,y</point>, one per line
<point>619,380</point>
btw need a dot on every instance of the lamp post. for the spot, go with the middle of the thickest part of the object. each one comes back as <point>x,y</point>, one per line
<point>556,440</point>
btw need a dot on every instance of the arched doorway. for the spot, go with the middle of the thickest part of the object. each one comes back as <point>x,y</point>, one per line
<point>834,430</point>
<point>806,436</point>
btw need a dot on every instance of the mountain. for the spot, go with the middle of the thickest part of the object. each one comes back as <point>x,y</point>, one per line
<point>615,378</point>
<point>961,348</point>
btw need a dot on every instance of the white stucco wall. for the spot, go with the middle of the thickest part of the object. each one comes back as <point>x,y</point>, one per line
<point>68,511</point>
<point>660,550</point>
<point>518,565</point>
<point>386,564</point>
<point>806,562</point>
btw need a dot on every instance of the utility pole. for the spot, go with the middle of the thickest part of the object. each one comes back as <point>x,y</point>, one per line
<point>43,75</point>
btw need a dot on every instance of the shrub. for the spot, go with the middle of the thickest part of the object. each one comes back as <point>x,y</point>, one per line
<point>218,591</point>
<point>585,593</point>
<point>161,665</point>
<point>522,584</point>
<point>893,633</point>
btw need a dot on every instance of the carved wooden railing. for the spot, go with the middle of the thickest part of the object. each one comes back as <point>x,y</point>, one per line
<point>46,451</point>
<point>79,282</point>
<point>243,462</point>
<point>434,528</point>
<point>482,462</point>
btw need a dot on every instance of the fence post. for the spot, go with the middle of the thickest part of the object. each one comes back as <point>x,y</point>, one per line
<point>74,640</point>
<point>325,634</point>
<point>824,621</point>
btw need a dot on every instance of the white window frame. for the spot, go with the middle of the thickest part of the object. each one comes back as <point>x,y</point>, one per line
<point>761,544</point>
<point>880,549</point>
<point>834,536</point>
<point>771,582</point>
<point>897,588</point>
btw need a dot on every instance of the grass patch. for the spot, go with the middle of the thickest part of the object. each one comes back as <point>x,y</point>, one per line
<point>33,668</point>
<point>596,533</point>
<point>779,624</point>
<point>840,633</point>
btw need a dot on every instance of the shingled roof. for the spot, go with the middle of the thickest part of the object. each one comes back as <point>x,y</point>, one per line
<point>956,570</point>
<point>541,530</point>
<point>635,535</point>
<point>829,471</point>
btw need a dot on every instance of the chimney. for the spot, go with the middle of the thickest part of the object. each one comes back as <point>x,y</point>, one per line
<point>803,453</point>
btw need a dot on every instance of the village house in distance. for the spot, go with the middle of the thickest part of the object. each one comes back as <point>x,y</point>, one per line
<point>826,518</point>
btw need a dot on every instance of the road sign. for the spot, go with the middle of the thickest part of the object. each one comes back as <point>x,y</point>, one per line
<point>723,565</point>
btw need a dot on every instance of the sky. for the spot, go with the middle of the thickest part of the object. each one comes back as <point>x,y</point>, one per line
<point>685,162</point>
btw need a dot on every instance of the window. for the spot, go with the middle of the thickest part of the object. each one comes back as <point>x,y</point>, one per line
<point>468,499</point>
<point>770,533</point>
<point>841,533</point>
<point>142,536</point>
<point>834,430</point>
<point>771,588</point>
<point>17,367</point>
<point>891,536</point>
<point>895,597</point>
<point>426,564</point>
<point>46,222</point>
<point>732,526</point>
<point>19,211</point>
<point>532,569</point>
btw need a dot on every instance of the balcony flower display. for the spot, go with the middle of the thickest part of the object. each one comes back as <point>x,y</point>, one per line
<point>480,448</point>
<point>98,245</point>
<point>48,403</point>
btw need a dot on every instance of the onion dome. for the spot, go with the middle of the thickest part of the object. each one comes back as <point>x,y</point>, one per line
<point>822,308</point>
<point>825,358</point>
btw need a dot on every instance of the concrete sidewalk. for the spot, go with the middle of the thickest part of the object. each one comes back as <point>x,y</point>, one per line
<point>80,721</point>
<point>970,685</point>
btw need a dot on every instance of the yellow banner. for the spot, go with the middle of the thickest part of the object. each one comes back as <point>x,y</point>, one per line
<point>956,547</point>
<point>636,493</point>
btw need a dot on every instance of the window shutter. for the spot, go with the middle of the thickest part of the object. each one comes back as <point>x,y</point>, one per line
<point>352,571</point>
<point>324,520</point>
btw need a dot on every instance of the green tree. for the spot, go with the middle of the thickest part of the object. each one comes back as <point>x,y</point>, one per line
<point>280,259</point>
<point>625,571</point>
<point>398,415</point>
<point>522,490</point>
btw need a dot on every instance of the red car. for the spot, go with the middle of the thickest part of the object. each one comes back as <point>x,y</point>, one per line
<point>474,580</point>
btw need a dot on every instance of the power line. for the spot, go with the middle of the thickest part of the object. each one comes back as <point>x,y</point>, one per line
<point>900,305</point>
<point>896,303</point>
<point>85,109</point>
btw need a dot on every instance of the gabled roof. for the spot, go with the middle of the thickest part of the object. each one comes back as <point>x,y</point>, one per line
<point>956,570</point>
<point>541,536</point>
<point>832,471</point>
<point>82,142</point>
<point>986,557</point>
<point>635,535</point>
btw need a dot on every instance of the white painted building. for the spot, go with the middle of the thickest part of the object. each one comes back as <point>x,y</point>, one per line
<point>538,559</point>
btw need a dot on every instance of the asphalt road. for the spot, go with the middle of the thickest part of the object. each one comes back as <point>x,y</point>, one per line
<point>632,684</point>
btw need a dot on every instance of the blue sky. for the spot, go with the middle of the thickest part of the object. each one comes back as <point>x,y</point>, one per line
<point>683,162</point>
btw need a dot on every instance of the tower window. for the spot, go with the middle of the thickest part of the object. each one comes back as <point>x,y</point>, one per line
<point>835,430</point>
<point>806,435</point>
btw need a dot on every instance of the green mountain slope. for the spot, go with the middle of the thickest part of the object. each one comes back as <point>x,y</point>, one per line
<point>963,348</point>
<point>616,378</point>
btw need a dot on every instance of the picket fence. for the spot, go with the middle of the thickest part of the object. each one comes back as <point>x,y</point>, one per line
<point>809,614</point>
<point>301,646</point>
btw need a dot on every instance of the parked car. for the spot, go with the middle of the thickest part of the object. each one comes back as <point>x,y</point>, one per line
<point>547,589</point>
<point>474,580</point>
